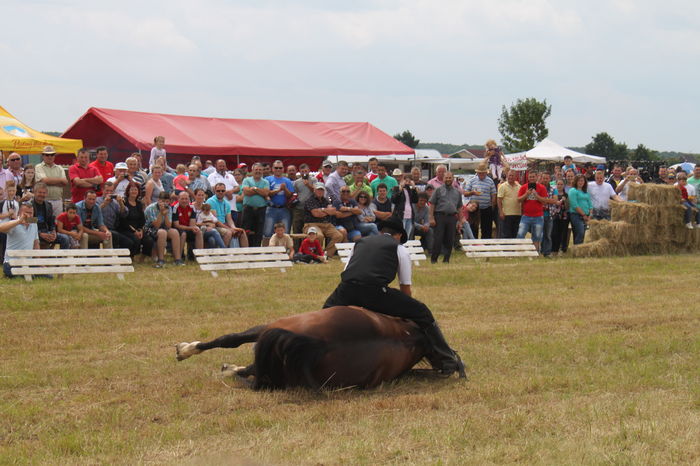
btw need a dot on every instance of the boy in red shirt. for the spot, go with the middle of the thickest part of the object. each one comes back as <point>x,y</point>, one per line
<point>310,249</point>
<point>68,223</point>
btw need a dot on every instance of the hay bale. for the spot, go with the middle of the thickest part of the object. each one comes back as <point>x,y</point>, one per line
<point>635,213</point>
<point>650,224</point>
<point>655,194</point>
<point>615,232</point>
<point>599,248</point>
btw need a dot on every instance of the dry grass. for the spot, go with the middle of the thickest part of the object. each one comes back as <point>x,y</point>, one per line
<point>571,361</point>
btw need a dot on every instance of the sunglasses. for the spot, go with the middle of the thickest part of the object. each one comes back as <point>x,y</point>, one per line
<point>220,190</point>
<point>13,160</point>
<point>278,168</point>
<point>344,191</point>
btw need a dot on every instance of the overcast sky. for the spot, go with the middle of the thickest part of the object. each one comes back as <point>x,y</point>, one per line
<point>442,69</point>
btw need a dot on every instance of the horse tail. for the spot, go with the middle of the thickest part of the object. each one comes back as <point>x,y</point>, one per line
<point>286,359</point>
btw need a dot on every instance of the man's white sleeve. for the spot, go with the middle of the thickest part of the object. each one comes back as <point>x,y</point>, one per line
<point>404,265</point>
<point>349,257</point>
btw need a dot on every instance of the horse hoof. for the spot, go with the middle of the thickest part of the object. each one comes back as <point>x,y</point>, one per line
<point>185,350</point>
<point>230,370</point>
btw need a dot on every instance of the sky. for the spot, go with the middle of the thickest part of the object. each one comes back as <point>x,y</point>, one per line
<point>441,69</point>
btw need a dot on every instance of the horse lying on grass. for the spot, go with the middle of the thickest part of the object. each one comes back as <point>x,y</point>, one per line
<point>343,346</point>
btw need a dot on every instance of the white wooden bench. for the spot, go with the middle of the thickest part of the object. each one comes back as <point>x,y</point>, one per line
<point>28,262</point>
<point>414,249</point>
<point>502,247</point>
<point>211,260</point>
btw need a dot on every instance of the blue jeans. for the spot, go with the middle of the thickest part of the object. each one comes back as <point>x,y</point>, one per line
<point>578,226</point>
<point>534,225</point>
<point>688,212</point>
<point>368,228</point>
<point>275,215</point>
<point>467,232</point>
<point>212,239</point>
<point>547,236</point>
<point>408,226</point>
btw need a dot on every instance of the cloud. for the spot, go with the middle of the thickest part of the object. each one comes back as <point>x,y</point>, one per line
<point>441,69</point>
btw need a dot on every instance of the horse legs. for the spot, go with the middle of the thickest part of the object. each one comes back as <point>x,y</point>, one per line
<point>232,340</point>
<point>237,371</point>
<point>241,373</point>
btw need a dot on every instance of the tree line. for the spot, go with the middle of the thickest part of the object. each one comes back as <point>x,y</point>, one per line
<point>524,123</point>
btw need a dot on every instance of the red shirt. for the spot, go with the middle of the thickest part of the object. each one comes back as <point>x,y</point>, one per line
<point>684,192</point>
<point>371,176</point>
<point>76,171</point>
<point>312,248</point>
<point>183,215</point>
<point>68,225</point>
<point>106,170</point>
<point>532,207</point>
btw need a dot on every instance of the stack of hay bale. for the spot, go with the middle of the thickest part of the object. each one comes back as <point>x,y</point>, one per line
<point>651,222</point>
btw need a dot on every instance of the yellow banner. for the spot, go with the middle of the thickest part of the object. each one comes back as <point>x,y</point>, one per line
<point>15,136</point>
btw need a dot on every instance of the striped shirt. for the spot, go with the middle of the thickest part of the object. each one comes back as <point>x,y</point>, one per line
<point>486,187</point>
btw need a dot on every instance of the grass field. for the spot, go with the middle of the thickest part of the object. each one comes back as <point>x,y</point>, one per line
<point>571,362</point>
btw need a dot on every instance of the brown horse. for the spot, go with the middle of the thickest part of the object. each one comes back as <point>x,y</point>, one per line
<point>335,347</point>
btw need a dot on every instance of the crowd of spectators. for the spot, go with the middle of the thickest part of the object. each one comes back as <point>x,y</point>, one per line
<point>160,209</point>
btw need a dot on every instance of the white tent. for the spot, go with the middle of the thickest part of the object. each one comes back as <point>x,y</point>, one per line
<point>551,151</point>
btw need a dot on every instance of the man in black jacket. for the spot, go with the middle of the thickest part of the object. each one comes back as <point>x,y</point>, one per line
<point>46,221</point>
<point>373,264</point>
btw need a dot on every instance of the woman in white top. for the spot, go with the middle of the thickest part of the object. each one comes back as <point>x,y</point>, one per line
<point>153,186</point>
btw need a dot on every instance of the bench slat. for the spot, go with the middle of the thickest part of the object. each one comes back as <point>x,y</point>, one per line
<point>246,265</point>
<point>71,269</point>
<point>242,258</point>
<point>414,258</point>
<point>503,254</point>
<point>237,251</point>
<point>67,252</point>
<point>59,261</point>
<point>408,244</point>
<point>502,247</point>
<point>469,242</point>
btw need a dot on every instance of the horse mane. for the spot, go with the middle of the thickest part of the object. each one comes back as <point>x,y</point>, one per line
<point>285,359</point>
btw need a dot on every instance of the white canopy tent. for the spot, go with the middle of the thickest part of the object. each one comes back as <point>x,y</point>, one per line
<point>549,150</point>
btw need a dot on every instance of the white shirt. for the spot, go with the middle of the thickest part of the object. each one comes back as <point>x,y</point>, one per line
<point>155,153</point>
<point>119,189</point>
<point>230,183</point>
<point>600,194</point>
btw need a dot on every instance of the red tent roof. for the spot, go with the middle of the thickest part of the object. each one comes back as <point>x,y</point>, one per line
<point>225,136</point>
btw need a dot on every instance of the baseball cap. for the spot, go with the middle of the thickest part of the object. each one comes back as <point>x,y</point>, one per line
<point>320,186</point>
<point>327,163</point>
<point>121,166</point>
<point>312,230</point>
<point>242,164</point>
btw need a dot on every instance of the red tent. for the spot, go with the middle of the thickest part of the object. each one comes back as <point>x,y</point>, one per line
<point>236,140</point>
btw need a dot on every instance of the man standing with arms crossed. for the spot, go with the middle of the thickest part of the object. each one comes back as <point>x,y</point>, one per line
<point>83,177</point>
<point>53,177</point>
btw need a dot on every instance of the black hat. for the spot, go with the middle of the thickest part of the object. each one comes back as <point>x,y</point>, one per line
<point>393,223</point>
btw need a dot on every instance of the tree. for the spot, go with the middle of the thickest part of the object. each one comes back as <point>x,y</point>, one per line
<point>523,125</point>
<point>644,153</point>
<point>407,138</point>
<point>604,145</point>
